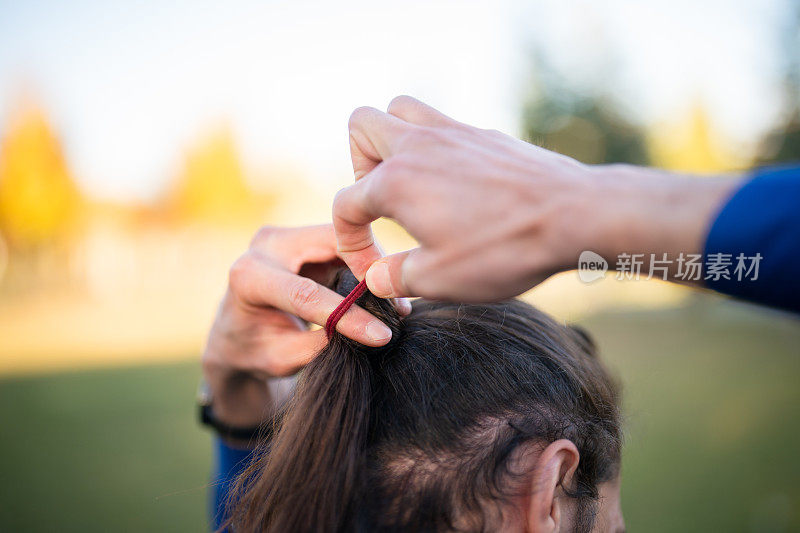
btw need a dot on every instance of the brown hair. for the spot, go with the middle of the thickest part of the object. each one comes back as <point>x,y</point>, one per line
<point>418,435</point>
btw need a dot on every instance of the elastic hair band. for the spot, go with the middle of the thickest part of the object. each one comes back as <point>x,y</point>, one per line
<point>341,309</point>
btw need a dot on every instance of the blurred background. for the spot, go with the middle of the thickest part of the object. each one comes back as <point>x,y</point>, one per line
<point>142,144</point>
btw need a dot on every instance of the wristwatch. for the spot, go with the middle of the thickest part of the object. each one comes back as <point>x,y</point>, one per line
<point>207,418</point>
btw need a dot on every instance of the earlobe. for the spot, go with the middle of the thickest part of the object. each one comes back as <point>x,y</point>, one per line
<point>547,508</point>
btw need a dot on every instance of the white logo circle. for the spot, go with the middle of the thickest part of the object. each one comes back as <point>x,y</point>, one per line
<point>591,266</point>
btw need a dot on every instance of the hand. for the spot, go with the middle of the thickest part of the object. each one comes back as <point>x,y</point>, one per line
<point>260,330</point>
<point>494,215</point>
<point>482,205</point>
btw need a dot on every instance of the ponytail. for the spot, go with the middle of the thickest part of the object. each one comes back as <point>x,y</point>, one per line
<point>309,478</point>
<point>422,434</point>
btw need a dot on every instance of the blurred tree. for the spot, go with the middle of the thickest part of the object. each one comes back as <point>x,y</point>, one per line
<point>588,127</point>
<point>39,201</point>
<point>782,144</point>
<point>212,184</point>
<point>690,145</point>
<point>592,127</point>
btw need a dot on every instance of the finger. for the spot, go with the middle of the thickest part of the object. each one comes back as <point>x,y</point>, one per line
<point>389,277</point>
<point>413,111</point>
<point>354,208</point>
<point>261,285</point>
<point>403,306</point>
<point>374,136</point>
<point>322,272</point>
<point>289,352</point>
<point>362,163</point>
<point>292,247</point>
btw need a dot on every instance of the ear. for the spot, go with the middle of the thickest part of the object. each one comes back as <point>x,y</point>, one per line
<point>548,509</point>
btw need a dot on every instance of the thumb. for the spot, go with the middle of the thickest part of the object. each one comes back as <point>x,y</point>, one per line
<point>388,276</point>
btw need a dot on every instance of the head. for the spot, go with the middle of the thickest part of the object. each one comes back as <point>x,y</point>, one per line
<point>475,417</point>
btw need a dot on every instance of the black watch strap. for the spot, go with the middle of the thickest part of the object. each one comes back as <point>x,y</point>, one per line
<point>253,433</point>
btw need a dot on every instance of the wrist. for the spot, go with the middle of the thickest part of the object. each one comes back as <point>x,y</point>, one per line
<point>570,206</point>
<point>233,435</point>
<point>646,211</point>
<point>239,399</point>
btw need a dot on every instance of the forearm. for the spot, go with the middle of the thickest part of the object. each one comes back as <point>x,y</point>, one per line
<point>647,213</point>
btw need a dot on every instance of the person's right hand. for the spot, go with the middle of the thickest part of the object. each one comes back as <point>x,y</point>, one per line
<point>494,215</point>
<point>484,207</point>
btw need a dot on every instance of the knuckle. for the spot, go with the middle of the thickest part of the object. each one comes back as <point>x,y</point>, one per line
<point>358,115</point>
<point>492,133</point>
<point>269,364</point>
<point>341,204</point>
<point>339,199</point>
<point>304,293</point>
<point>209,363</point>
<point>265,235</point>
<point>399,104</point>
<point>240,272</point>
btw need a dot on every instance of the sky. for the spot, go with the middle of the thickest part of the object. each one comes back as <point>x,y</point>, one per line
<point>131,87</point>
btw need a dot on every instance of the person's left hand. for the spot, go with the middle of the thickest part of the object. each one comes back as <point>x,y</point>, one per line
<point>261,328</point>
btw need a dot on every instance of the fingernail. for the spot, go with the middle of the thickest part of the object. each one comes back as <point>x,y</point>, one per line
<point>378,280</point>
<point>403,306</point>
<point>378,331</point>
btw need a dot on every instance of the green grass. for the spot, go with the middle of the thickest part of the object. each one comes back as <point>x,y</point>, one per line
<point>713,408</point>
<point>713,432</point>
<point>112,450</point>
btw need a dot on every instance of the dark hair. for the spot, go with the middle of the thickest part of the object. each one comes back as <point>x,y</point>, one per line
<point>419,435</point>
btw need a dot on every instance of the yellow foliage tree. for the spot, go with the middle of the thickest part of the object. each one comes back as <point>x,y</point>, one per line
<point>212,183</point>
<point>691,145</point>
<point>39,201</point>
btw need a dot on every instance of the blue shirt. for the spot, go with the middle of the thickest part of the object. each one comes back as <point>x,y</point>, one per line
<point>229,463</point>
<point>761,218</point>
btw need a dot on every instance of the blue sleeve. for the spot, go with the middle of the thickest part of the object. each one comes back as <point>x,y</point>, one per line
<point>229,462</point>
<point>762,219</point>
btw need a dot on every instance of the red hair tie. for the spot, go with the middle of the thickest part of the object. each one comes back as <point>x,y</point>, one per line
<point>341,309</point>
